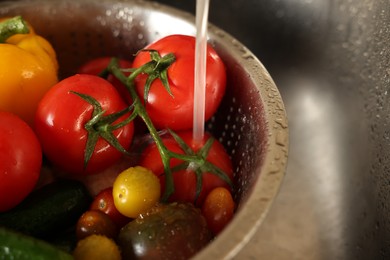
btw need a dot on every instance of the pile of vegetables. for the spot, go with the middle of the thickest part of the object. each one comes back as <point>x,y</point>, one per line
<point>103,163</point>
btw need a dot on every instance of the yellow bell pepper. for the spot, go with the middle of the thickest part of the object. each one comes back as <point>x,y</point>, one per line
<point>28,68</point>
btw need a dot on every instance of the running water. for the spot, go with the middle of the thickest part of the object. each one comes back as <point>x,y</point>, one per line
<point>202,11</point>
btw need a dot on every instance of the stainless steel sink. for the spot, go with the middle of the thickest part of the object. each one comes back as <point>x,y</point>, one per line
<point>330,60</point>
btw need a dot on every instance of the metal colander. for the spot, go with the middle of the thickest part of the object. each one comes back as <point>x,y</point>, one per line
<point>251,121</point>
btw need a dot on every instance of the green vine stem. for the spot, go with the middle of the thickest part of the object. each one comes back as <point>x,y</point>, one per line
<point>156,68</point>
<point>140,110</point>
<point>102,125</point>
<point>12,26</point>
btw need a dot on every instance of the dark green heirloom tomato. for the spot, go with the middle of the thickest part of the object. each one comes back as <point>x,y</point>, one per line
<point>167,231</point>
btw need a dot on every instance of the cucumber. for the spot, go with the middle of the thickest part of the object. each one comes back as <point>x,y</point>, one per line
<point>14,245</point>
<point>66,241</point>
<point>48,210</point>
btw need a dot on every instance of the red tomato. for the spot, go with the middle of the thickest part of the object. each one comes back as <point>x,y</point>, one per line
<point>218,209</point>
<point>176,112</point>
<point>61,118</point>
<point>104,202</point>
<point>185,180</point>
<point>20,160</point>
<point>95,222</point>
<point>97,65</point>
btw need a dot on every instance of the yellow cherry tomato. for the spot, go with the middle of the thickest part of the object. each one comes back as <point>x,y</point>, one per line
<point>96,247</point>
<point>136,190</point>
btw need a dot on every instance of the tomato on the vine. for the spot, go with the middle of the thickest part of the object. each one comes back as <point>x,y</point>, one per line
<point>185,181</point>
<point>61,124</point>
<point>175,112</point>
<point>20,160</point>
<point>97,65</point>
<point>104,201</point>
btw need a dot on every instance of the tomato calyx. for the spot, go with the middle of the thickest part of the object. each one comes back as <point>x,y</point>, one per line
<point>139,109</point>
<point>102,126</point>
<point>157,69</point>
<point>197,162</point>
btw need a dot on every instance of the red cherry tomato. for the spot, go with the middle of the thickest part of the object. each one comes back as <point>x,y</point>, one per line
<point>218,209</point>
<point>104,202</point>
<point>95,222</point>
<point>61,118</point>
<point>20,160</point>
<point>185,180</point>
<point>97,65</point>
<point>176,112</point>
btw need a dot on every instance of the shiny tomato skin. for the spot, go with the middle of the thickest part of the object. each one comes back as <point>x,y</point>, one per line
<point>167,231</point>
<point>185,180</point>
<point>176,112</point>
<point>218,209</point>
<point>104,202</point>
<point>95,222</point>
<point>136,190</point>
<point>60,121</point>
<point>97,65</point>
<point>21,160</point>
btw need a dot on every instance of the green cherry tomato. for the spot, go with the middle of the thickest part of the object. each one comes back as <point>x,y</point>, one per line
<point>136,190</point>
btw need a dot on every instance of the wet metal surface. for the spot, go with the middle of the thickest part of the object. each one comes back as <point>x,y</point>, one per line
<point>330,60</point>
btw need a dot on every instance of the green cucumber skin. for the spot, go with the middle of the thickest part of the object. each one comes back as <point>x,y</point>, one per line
<point>14,245</point>
<point>49,210</point>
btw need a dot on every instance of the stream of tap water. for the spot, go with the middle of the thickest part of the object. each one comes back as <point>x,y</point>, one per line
<point>202,10</point>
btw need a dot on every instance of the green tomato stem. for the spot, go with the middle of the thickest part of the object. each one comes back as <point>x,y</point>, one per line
<point>101,125</point>
<point>156,68</point>
<point>12,26</point>
<point>140,110</point>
